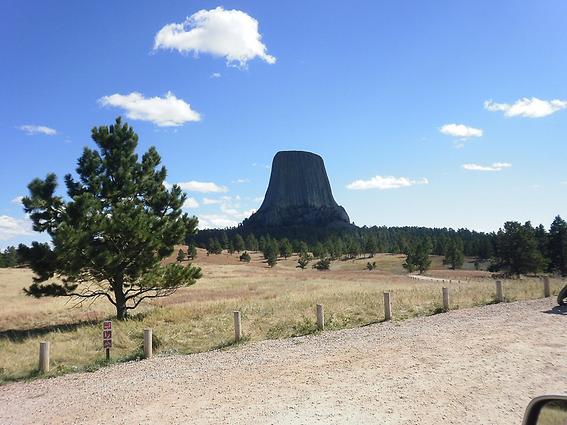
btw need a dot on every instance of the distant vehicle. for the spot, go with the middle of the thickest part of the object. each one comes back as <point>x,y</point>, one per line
<point>546,410</point>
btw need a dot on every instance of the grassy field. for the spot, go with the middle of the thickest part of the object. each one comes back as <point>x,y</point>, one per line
<point>275,303</point>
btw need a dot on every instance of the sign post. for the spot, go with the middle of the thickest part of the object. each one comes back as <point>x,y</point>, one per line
<point>107,337</point>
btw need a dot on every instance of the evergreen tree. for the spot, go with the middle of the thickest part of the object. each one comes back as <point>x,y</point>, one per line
<point>272,258</point>
<point>517,249</point>
<point>304,259</point>
<point>558,246</point>
<point>109,235</point>
<point>251,243</point>
<point>239,244</point>
<point>224,241</point>
<point>303,248</point>
<point>9,258</point>
<point>261,244</point>
<point>230,248</point>
<point>181,256</point>
<point>245,257</point>
<point>192,251</point>
<point>322,264</point>
<point>319,250</point>
<point>454,254</point>
<point>370,245</point>
<point>286,250</point>
<point>418,258</point>
<point>214,246</point>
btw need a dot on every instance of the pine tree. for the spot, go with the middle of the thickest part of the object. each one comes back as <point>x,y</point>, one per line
<point>370,246</point>
<point>454,254</point>
<point>517,249</point>
<point>109,235</point>
<point>286,250</point>
<point>319,250</point>
<point>245,257</point>
<point>304,259</point>
<point>322,264</point>
<point>192,251</point>
<point>251,243</point>
<point>272,258</point>
<point>239,244</point>
<point>558,246</point>
<point>181,256</point>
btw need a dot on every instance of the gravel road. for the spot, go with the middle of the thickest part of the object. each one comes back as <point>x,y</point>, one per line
<point>473,366</point>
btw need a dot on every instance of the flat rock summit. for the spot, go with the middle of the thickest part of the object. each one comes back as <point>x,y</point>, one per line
<point>299,194</point>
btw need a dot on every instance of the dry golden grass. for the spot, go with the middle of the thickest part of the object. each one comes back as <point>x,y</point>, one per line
<point>275,303</point>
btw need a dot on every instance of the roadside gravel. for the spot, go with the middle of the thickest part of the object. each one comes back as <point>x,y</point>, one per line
<point>473,366</point>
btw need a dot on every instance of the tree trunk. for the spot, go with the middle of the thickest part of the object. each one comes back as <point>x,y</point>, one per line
<point>120,298</point>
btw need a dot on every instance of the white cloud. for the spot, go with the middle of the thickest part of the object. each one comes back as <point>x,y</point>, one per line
<point>496,166</point>
<point>17,200</point>
<point>383,183</point>
<point>209,201</point>
<point>11,227</point>
<point>207,221</point>
<point>231,34</point>
<point>527,107</point>
<point>240,181</point>
<point>235,213</point>
<point>31,129</point>
<point>203,187</point>
<point>216,75</point>
<point>460,130</point>
<point>190,203</point>
<point>167,111</point>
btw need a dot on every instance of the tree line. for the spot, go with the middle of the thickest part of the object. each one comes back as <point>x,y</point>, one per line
<point>515,249</point>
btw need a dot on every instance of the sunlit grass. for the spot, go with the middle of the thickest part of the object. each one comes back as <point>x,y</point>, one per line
<point>275,303</point>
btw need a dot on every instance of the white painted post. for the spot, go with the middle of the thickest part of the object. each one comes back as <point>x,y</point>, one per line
<point>44,357</point>
<point>387,306</point>
<point>446,299</point>
<point>237,326</point>
<point>148,346</point>
<point>320,317</point>
<point>499,292</point>
<point>546,287</point>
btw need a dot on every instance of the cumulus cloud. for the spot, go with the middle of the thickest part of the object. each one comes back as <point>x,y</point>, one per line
<point>11,227</point>
<point>215,221</point>
<point>167,111</point>
<point>202,187</point>
<point>231,34</point>
<point>32,129</point>
<point>496,166</point>
<point>216,75</point>
<point>527,107</point>
<point>383,183</point>
<point>190,203</point>
<point>460,130</point>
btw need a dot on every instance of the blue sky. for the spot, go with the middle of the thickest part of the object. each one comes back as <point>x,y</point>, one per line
<point>446,113</point>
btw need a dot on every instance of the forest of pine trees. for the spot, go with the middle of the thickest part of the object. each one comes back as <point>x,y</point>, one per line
<point>515,249</point>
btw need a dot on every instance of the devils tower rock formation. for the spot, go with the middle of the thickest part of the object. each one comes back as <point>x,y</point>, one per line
<point>299,194</point>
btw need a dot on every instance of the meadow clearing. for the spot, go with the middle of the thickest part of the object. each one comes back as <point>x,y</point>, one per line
<point>275,303</point>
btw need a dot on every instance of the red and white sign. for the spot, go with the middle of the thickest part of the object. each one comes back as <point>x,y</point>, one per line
<point>107,334</point>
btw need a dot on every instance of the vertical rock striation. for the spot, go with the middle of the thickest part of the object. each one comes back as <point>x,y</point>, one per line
<point>299,194</point>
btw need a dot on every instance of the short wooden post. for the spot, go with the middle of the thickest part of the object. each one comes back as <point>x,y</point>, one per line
<point>499,292</point>
<point>546,287</point>
<point>446,299</point>
<point>148,346</point>
<point>320,317</point>
<point>237,326</point>
<point>44,357</point>
<point>387,306</point>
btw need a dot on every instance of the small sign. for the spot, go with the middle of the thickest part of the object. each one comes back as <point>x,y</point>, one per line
<point>107,334</point>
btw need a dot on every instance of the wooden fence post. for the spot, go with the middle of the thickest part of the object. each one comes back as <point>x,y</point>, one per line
<point>237,326</point>
<point>44,357</point>
<point>148,346</point>
<point>446,299</point>
<point>499,292</point>
<point>546,287</point>
<point>387,306</point>
<point>320,317</point>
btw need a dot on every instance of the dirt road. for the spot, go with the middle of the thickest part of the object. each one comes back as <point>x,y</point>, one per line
<point>475,366</point>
